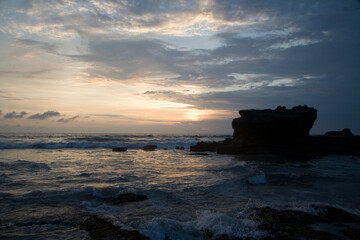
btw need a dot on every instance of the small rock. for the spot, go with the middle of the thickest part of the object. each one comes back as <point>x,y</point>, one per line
<point>179,148</point>
<point>346,132</point>
<point>149,148</point>
<point>119,149</point>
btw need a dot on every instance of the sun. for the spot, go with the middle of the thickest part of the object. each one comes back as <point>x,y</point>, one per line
<point>195,114</point>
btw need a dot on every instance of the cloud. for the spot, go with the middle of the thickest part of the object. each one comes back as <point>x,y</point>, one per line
<point>15,115</point>
<point>70,19</point>
<point>270,53</point>
<point>45,115</point>
<point>66,120</point>
<point>29,43</point>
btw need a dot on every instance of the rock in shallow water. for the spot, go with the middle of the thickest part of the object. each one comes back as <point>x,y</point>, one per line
<point>149,148</point>
<point>100,229</point>
<point>119,149</point>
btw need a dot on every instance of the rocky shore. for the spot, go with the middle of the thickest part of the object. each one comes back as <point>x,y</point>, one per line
<point>328,223</point>
<point>281,131</point>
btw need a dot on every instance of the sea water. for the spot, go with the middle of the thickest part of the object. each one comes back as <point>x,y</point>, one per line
<point>49,183</point>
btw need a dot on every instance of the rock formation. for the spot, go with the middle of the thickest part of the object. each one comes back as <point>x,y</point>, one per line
<point>346,132</point>
<point>273,128</point>
<point>282,131</point>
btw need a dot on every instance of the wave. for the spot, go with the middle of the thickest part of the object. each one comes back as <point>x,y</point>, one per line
<point>25,165</point>
<point>95,144</point>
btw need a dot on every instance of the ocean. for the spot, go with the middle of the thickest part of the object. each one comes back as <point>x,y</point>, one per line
<point>49,183</point>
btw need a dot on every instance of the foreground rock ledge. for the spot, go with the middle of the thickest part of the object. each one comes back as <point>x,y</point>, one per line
<point>330,223</point>
<point>100,229</point>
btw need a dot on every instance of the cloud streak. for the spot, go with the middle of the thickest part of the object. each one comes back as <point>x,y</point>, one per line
<point>15,115</point>
<point>66,120</point>
<point>45,115</point>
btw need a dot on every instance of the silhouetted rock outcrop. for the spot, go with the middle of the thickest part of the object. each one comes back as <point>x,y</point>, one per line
<point>273,128</point>
<point>282,131</point>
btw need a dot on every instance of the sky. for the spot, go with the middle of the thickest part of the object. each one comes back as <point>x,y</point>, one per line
<point>182,67</point>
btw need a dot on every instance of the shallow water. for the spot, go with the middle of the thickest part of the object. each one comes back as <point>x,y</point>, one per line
<point>45,193</point>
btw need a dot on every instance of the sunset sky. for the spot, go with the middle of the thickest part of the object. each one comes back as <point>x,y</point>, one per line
<point>175,66</point>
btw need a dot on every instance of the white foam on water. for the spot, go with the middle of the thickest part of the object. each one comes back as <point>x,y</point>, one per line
<point>160,228</point>
<point>258,178</point>
<point>221,223</point>
<point>206,222</point>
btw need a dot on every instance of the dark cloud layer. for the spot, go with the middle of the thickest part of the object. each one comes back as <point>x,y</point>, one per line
<point>45,115</point>
<point>15,115</point>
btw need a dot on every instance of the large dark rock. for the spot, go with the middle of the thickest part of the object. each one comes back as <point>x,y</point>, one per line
<point>270,129</point>
<point>100,229</point>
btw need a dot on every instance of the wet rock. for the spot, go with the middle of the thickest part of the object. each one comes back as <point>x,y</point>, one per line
<point>291,224</point>
<point>351,233</point>
<point>335,214</point>
<point>119,149</point>
<point>99,229</point>
<point>149,148</point>
<point>124,198</point>
<point>346,132</point>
